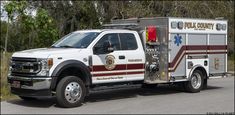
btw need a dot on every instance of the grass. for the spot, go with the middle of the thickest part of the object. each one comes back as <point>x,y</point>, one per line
<point>231,62</point>
<point>5,88</point>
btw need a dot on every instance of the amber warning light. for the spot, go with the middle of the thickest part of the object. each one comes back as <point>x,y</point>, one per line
<point>151,34</point>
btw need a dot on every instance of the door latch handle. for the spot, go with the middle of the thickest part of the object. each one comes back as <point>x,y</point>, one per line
<point>121,57</point>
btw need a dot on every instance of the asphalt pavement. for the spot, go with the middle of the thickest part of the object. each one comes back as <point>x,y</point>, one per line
<point>218,98</point>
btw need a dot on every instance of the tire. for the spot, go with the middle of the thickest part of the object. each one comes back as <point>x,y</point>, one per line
<point>205,84</point>
<point>27,98</point>
<point>70,92</point>
<point>196,82</point>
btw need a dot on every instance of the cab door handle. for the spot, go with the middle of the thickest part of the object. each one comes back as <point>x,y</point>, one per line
<point>121,57</point>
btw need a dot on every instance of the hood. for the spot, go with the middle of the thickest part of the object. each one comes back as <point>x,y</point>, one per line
<point>44,52</point>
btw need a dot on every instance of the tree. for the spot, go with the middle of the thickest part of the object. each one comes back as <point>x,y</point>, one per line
<point>28,31</point>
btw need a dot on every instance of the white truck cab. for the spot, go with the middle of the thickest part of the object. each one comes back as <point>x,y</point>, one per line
<point>147,51</point>
<point>84,53</point>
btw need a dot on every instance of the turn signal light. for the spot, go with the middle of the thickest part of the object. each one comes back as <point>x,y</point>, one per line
<point>50,62</point>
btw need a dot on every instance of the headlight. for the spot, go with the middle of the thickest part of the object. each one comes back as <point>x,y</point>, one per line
<point>45,64</point>
<point>10,68</point>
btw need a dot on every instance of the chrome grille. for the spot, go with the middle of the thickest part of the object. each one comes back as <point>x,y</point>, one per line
<point>24,66</point>
<point>24,59</point>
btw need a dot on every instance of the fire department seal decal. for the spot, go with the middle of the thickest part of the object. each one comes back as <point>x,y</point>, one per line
<point>110,62</point>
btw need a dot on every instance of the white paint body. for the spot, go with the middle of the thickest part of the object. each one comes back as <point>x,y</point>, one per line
<point>83,54</point>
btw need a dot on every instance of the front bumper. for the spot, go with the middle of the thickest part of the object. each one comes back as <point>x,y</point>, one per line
<point>30,86</point>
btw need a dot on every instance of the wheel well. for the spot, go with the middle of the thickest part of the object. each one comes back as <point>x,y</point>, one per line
<point>203,71</point>
<point>72,71</point>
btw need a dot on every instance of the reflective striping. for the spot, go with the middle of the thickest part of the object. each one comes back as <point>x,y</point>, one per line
<point>102,67</point>
<point>135,66</point>
<point>217,47</point>
<point>178,55</point>
<point>196,47</point>
<point>132,70</point>
<point>96,68</point>
<point>117,73</point>
<point>217,52</point>
<point>175,65</point>
<point>203,49</point>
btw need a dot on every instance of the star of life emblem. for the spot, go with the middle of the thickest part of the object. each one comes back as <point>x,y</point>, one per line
<point>178,39</point>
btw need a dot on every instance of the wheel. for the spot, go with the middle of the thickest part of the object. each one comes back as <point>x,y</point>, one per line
<point>195,84</point>
<point>27,98</point>
<point>70,92</point>
<point>205,84</point>
<point>149,86</point>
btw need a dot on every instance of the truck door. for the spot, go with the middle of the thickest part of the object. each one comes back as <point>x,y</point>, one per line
<point>134,56</point>
<point>108,66</point>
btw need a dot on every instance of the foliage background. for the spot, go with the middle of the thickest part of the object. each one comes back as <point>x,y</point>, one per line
<point>54,19</point>
<point>33,24</point>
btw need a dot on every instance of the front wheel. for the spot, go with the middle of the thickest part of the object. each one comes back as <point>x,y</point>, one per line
<point>70,92</point>
<point>195,84</point>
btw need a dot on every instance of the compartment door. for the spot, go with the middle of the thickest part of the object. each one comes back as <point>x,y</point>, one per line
<point>156,67</point>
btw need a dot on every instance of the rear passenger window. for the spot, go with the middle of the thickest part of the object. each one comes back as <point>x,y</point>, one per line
<point>128,41</point>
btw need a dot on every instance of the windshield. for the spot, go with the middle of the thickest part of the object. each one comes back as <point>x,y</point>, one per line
<point>76,40</point>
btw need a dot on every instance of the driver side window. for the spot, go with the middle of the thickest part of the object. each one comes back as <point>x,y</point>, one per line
<point>112,38</point>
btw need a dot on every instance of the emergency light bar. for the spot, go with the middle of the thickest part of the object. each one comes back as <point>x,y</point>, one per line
<point>131,26</point>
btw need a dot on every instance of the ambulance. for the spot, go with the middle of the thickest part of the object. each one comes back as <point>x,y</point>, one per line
<point>147,51</point>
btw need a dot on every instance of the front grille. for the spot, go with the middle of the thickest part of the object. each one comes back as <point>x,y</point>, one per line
<point>24,65</point>
<point>24,59</point>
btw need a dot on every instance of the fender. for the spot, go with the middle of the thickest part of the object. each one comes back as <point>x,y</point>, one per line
<point>195,67</point>
<point>70,63</point>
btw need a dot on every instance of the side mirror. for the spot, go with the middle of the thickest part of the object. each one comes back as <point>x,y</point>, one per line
<point>108,47</point>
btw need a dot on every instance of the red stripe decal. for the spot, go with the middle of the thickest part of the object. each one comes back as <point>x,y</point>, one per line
<point>195,47</point>
<point>217,47</point>
<point>102,67</point>
<point>177,57</point>
<point>135,66</point>
<point>118,73</point>
<point>216,52</point>
<point>118,67</point>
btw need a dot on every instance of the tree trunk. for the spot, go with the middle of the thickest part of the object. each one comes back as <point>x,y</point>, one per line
<point>5,50</point>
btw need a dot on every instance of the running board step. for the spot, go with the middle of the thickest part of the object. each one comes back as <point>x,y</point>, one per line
<point>116,87</point>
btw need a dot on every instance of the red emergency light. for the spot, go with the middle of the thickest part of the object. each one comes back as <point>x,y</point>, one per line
<point>151,34</point>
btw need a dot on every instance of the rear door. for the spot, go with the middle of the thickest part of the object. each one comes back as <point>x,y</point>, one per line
<point>134,56</point>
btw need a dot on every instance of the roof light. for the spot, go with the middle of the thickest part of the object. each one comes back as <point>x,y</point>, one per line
<point>151,34</point>
<point>173,25</point>
<point>180,25</point>
<point>224,27</point>
<point>218,26</point>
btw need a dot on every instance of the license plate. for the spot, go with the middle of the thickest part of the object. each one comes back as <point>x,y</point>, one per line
<point>16,84</point>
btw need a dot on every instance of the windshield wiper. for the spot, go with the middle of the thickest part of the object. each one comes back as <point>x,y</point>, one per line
<point>53,47</point>
<point>66,46</point>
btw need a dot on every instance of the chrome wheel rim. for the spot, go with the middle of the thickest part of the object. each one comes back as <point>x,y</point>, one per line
<point>196,80</point>
<point>73,92</point>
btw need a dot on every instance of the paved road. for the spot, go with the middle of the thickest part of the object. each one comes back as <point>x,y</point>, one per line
<point>219,97</point>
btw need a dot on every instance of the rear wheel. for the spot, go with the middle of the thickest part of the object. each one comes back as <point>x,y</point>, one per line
<point>70,92</point>
<point>195,84</point>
